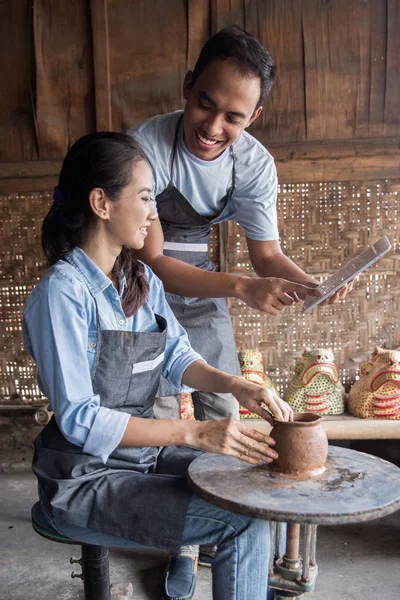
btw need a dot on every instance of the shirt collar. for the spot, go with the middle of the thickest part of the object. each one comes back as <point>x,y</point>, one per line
<point>95,279</point>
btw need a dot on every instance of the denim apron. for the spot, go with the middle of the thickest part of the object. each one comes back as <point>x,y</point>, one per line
<point>140,493</point>
<point>187,237</point>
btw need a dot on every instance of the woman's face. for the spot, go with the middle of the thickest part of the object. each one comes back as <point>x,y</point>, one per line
<point>133,213</point>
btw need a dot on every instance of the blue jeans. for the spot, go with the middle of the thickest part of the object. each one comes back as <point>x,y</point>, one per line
<point>240,567</point>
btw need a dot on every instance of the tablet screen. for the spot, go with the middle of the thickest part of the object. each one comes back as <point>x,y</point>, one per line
<point>356,265</point>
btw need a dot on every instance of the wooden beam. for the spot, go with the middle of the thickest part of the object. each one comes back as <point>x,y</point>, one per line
<point>342,169</point>
<point>28,184</point>
<point>365,160</point>
<point>101,60</point>
<point>30,176</point>
<point>29,169</point>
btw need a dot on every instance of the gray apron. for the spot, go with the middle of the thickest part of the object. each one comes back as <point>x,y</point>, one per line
<point>186,237</point>
<point>140,493</point>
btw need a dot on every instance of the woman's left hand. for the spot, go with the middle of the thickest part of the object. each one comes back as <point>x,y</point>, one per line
<point>251,395</point>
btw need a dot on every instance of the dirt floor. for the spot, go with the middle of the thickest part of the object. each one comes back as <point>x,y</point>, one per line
<point>357,562</point>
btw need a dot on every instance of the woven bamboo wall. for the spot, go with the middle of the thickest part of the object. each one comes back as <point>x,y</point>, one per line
<point>21,264</point>
<point>322,225</point>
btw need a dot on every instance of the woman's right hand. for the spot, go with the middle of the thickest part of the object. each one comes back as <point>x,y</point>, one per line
<point>232,438</point>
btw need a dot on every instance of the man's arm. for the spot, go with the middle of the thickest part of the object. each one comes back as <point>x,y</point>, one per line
<point>268,260</point>
<point>267,294</point>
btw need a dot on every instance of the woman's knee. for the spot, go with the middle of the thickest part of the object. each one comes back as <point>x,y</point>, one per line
<point>229,524</point>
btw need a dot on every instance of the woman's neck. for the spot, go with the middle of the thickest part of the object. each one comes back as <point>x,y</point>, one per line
<point>102,255</point>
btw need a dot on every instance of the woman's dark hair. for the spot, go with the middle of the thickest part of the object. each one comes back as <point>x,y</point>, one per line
<point>252,58</point>
<point>98,160</point>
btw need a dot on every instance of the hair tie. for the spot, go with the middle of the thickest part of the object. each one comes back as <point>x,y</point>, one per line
<point>58,196</point>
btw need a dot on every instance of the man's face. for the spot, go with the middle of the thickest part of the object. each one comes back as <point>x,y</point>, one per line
<point>219,106</point>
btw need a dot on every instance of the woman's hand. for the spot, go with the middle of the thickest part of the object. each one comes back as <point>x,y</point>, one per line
<point>251,396</point>
<point>232,438</point>
<point>201,376</point>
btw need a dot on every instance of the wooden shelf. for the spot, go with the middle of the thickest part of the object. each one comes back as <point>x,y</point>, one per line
<point>346,427</point>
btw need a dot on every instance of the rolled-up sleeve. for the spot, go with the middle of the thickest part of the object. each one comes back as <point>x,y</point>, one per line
<point>55,331</point>
<point>178,352</point>
<point>106,432</point>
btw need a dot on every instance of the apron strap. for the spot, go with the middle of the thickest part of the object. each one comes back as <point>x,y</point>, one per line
<point>176,137</point>
<point>232,188</point>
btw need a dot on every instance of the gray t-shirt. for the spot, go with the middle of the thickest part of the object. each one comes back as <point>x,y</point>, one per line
<point>205,183</point>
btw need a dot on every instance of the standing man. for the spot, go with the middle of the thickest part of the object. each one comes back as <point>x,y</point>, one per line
<point>207,169</point>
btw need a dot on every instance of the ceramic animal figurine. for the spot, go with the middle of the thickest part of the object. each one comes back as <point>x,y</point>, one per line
<point>315,387</point>
<point>376,395</point>
<point>187,408</point>
<point>251,366</point>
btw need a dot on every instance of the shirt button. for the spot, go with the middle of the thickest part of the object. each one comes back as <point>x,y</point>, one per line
<point>93,344</point>
<point>121,321</point>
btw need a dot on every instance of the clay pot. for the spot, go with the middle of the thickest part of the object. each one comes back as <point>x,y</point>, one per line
<point>302,446</point>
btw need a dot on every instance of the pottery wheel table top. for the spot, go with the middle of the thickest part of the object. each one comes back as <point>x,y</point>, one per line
<point>355,487</point>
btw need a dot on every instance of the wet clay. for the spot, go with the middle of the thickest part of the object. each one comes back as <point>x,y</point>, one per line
<point>302,446</point>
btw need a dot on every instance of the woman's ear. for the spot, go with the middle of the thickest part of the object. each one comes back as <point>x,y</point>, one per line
<point>187,84</point>
<point>99,204</point>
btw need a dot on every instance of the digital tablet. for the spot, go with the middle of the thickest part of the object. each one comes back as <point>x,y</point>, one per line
<point>356,265</point>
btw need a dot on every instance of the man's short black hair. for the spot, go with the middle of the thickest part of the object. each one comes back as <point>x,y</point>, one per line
<point>252,58</point>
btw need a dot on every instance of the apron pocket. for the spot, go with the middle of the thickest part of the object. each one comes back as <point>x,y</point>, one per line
<point>145,377</point>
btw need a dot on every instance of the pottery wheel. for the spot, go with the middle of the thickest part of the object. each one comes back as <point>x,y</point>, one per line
<point>355,487</point>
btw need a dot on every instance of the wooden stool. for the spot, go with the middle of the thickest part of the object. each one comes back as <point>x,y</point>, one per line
<point>94,561</point>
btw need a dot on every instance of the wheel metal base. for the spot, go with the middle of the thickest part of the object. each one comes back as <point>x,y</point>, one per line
<point>292,582</point>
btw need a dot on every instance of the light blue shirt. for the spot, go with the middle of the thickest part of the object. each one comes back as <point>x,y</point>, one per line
<point>204,183</point>
<point>60,333</point>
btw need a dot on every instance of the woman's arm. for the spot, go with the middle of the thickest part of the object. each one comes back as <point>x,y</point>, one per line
<point>202,376</point>
<point>55,330</point>
<point>223,437</point>
<point>228,437</point>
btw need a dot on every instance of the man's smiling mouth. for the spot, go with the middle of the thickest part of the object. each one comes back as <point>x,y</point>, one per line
<point>206,141</point>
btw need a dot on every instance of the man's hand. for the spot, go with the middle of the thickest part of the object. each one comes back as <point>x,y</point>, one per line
<point>339,295</point>
<point>272,294</point>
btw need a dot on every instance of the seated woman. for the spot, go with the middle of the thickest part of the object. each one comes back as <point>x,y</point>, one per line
<point>101,333</point>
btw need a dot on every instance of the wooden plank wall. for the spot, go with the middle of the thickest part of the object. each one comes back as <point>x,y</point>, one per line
<point>70,67</point>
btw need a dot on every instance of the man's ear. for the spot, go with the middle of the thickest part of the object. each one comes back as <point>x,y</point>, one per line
<point>99,203</point>
<point>187,84</point>
<point>255,116</point>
